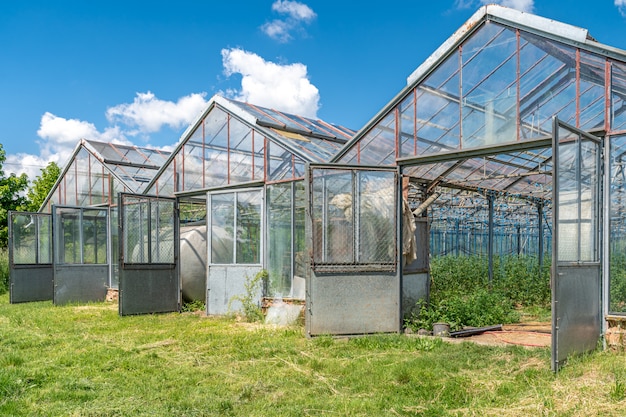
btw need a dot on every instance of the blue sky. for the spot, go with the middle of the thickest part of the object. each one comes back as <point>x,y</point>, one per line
<point>140,71</point>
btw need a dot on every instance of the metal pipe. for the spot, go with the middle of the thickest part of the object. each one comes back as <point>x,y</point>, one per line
<point>430,200</point>
<point>490,241</point>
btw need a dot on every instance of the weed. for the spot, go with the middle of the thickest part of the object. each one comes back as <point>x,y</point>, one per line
<point>250,302</point>
<point>618,388</point>
<point>193,306</point>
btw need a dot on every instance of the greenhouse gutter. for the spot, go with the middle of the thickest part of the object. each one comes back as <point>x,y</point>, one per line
<point>481,152</point>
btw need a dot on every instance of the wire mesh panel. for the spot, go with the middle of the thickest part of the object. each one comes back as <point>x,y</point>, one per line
<point>353,220</point>
<point>353,283</point>
<point>30,257</point>
<point>149,247</point>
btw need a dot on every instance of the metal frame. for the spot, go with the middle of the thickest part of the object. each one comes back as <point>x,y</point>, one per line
<point>149,286</point>
<point>577,298</point>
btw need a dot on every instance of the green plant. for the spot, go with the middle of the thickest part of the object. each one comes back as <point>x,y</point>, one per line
<point>4,271</point>
<point>250,305</point>
<point>192,306</point>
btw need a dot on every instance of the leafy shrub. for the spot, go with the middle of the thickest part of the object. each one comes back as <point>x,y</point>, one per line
<point>195,305</point>
<point>462,295</point>
<point>476,309</point>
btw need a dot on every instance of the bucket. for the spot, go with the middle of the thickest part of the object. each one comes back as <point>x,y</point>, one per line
<point>441,329</point>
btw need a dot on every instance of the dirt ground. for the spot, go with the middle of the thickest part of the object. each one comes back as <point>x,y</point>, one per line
<point>528,334</point>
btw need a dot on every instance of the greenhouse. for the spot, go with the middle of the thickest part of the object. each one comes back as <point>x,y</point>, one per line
<point>513,131</point>
<point>508,140</point>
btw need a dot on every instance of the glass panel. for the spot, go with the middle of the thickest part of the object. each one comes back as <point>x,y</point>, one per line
<point>240,152</point>
<point>216,148</point>
<point>94,237</point>
<point>333,224</point>
<point>299,233</point>
<point>24,239</point>
<point>279,236</point>
<point>578,196</point>
<point>617,283</point>
<point>489,93</point>
<point>69,195</point>
<point>136,232</point>
<point>407,126</point>
<point>162,231</point>
<point>591,91</point>
<point>376,217</point>
<point>378,146</point>
<point>259,156</point>
<point>547,85</point>
<point>280,163</point>
<point>618,96</point>
<point>192,169</point>
<point>45,239</point>
<point>83,181</point>
<point>69,239</point>
<point>97,186</point>
<point>249,227</point>
<point>222,228</point>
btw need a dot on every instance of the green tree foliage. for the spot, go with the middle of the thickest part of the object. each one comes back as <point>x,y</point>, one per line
<point>38,192</point>
<point>11,196</point>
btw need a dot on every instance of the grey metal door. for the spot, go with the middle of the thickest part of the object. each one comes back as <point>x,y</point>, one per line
<point>353,280</point>
<point>30,257</point>
<point>576,266</point>
<point>149,253</point>
<point>81,254</point>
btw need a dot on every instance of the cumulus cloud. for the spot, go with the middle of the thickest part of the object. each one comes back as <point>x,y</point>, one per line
<point>521,5</point>
<point>621,6</point>
<point>144,116</point>
<point>296,16</point>
<point>283,87</point>
<point>149,114</point>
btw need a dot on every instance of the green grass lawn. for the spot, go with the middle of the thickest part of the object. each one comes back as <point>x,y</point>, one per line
<point>85,360</point>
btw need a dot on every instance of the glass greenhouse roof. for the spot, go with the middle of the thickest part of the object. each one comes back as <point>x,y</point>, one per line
<point>496,85</point>
<point>237,143</point>
<point>134,165</point>
<point>97,171</point>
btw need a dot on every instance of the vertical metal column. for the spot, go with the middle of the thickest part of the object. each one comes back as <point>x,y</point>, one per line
<point>490,237</point>
<point>540,226</point>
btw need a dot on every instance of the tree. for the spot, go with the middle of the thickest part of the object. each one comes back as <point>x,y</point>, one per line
<point>12,197</point>
<point>41,186</point>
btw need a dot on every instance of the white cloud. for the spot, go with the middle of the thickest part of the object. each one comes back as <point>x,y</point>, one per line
<point>283,87</point>
<point>296,13</point>
<point>294,9</point>
<point>521,5</point>
<point>145,115</point>
<point>149,114</point>
<point>621,6</point>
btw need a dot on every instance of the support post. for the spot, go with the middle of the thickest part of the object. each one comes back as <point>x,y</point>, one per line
<point>490,241</point>
<point>540,226</point>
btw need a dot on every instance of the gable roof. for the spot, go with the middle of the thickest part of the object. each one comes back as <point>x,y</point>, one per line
<point>307,139</point>
<point>537,25</point>
<point>132,167</point>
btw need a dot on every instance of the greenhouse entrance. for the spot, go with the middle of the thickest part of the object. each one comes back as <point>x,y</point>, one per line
<point>80,238</point>
<point>577,272</point>
<point>353,281</point>
<point>149,253</point>
<point>30,257</point>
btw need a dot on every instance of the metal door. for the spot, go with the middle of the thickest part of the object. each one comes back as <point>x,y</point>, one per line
<point>149,253</point>
<point>576,266</point>
<point>30,257</point>
<point>353,279</point>
<point>81,254</point>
